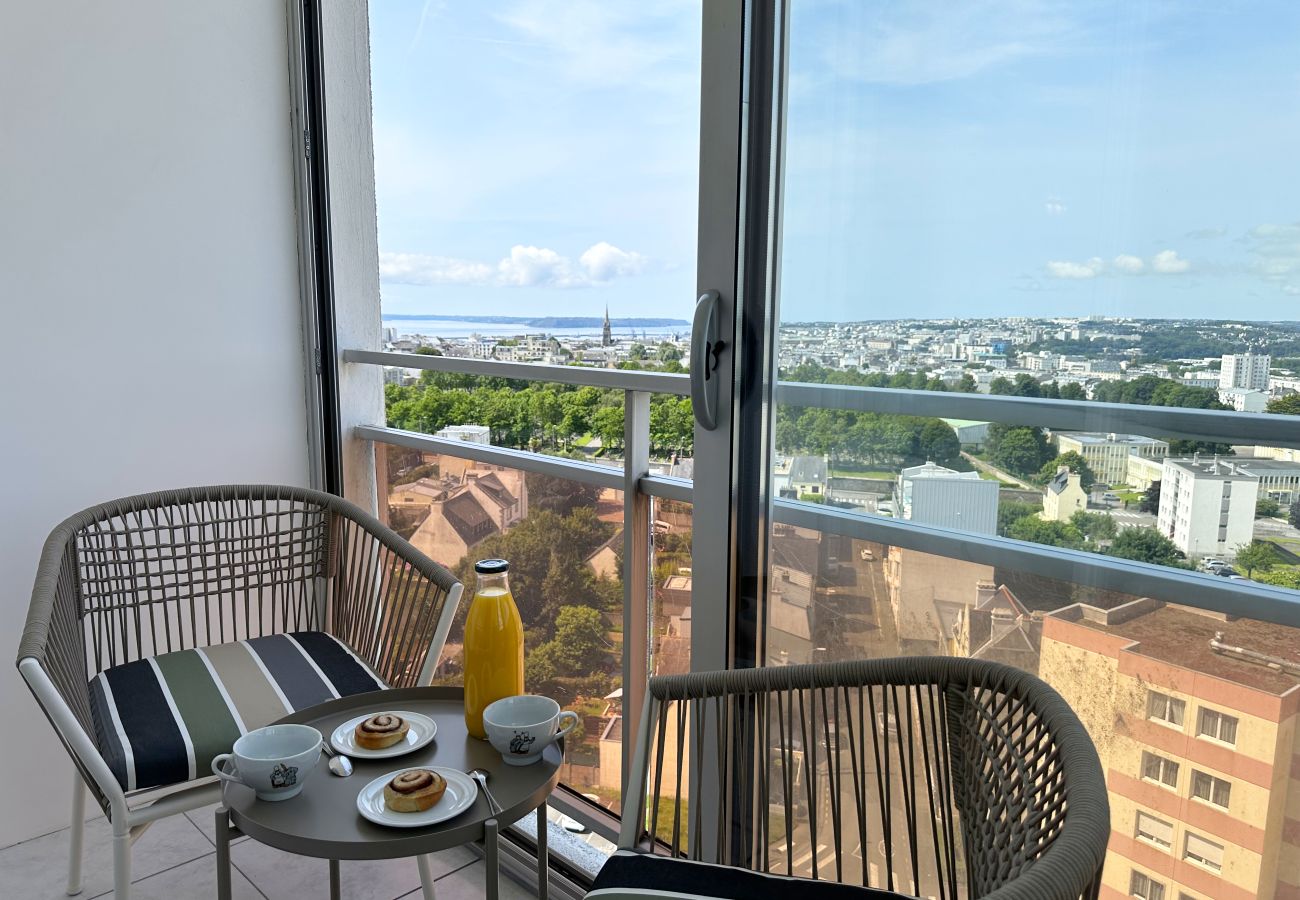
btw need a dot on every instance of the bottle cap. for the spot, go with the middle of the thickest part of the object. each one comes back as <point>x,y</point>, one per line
<point>491,566</point>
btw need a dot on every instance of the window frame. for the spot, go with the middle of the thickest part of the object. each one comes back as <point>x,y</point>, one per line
<point>1151,890</point>
<point>1168,702</point>
<point>1223,719</point>
<point>1151,838</point>
<point>1164,763</point>
<point>1214,783</point>
<point>1199,860</point>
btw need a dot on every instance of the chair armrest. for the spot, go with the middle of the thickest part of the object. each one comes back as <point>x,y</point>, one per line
<point>392,604</point>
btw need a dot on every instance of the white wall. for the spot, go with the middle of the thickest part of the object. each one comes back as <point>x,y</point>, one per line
<point>149,315</point>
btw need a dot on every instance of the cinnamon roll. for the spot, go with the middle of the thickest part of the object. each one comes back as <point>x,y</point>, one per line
<point>381,730</point>
<point>414,790</point>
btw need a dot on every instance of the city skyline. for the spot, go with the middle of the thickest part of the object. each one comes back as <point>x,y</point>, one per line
<point>1049,159</point>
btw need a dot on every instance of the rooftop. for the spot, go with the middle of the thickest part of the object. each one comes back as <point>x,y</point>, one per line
<point>1181,636</point>
<point>1224,469</point>
<point>808,470</point>
<point>1090,437</point>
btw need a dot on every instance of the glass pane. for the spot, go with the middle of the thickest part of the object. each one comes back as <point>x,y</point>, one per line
<point>536,179</point>
<point>564,543</point>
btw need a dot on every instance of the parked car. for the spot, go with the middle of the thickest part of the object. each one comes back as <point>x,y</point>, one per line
<point>1238,578</point>
<point>1211,561</point>
<point>1225,572</point>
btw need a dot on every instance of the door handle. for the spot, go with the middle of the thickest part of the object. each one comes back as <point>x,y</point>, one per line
<point>706,347</point>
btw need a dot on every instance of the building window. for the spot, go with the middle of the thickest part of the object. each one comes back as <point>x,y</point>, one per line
<point>1164,708</point>
<point>1159,769</point>
<point>1202,852</point>
<point>1145,887</point>
<point>1154,831</point>
<point>1210,789</point>
<point>1214,724</point>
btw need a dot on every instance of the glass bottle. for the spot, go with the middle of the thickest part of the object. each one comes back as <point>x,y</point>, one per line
<point>494,644</point>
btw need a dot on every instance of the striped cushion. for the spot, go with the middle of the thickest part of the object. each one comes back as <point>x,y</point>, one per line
<point>161,720</point>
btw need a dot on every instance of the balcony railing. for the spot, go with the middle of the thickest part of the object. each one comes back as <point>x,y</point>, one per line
<point>638,485</point>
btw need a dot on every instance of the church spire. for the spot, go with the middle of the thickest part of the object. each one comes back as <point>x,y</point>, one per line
<point>607,333</point>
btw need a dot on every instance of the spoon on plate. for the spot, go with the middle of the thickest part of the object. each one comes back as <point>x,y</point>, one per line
<point>481,777</point>
<point>339,764</point>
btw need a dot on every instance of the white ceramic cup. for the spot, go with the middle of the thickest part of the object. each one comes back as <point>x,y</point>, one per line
<point>520,728</point>
<point>274,761</point>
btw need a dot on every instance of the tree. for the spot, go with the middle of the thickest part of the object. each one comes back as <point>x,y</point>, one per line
<point>578,648</point>
<point>1046,531</point>
<point>1011,512</point>
<point>1020,450</point>
<point>1146,545</point>
<point>1001,385</point>
<point>1072,461</point>
<point>607,424</point>
<point>1266,508</point>
<point>966,385</point>
<point>1150,502</point>
<point>1026,386</point>
<point>1294,518</point>
<point>1073,391</point>
<point>937,441</point>
<point>1257,555</point>
<point>1285,406</point>
<point>1094,527</point>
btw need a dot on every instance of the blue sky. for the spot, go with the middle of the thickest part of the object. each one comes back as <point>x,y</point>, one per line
<point>1018,157</point>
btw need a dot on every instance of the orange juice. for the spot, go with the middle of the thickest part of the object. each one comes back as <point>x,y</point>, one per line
<point>494,644</point>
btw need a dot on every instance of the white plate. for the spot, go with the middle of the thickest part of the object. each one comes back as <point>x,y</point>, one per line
<point>344,739</point>
<point>460,795</point>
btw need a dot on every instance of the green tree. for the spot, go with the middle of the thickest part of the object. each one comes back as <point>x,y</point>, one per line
<point>667,352</point>
<point>1287,577</point>
<point>1001,385</point>
<point>1094,527</point>
<point>966,385</point>
<point>1294,517</point>
<point>1266,508</point>
<point>1018,449</point>
<point>1011,512</point>
<point>1075,463</point>
<point>1256,556</point>
<point>607,424</point>
<point>1150,502</point>
<point>938,441</point>
<point>1285,406</point>
<point>1026,386</point>
<point>1146,545</point>
<point>1072,391</point>
<point>1045,531</point>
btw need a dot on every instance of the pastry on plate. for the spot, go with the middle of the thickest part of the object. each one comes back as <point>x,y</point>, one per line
<point>414,790</point>
<point>381,730</point>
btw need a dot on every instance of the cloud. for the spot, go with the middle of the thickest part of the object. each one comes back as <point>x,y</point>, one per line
<point>1275,252</point>
<point>1202,234</point>
<point>525,266</point>
<point>1089,269</point>
<point>1167,262</point>
<point>1054,207</point>
<point>1129,265</point>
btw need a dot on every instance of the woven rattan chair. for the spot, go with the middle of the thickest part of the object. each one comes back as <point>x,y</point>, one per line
<point>926,776</point>
<point>294,592</point>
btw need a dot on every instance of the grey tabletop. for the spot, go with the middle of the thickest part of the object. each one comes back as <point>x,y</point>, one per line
<point>323,820</point>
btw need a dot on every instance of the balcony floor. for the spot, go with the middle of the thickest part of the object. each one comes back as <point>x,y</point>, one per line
<point>175,860</point>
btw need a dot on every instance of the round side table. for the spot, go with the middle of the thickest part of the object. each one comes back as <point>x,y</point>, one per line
<point>323,820</point>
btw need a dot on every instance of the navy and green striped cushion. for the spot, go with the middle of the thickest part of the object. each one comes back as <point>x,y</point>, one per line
<point>161,720</point>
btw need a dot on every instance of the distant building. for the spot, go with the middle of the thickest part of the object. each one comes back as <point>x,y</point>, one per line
<point>606,332</point>
<point>1205,379</point>
<point>808,476</point>
<point>1207,506</point>
<point>1107,453</point>
<point>927,594</point>
<point>1279,479</point>
<point>465,510</point>
<point>1245,370</point>
<point>1064,496</point>
<point>998,628</point>
<point>970,433</point>
<point>472,434</point>
<point>1195,716</point>
<point>1243,399</point>
<point>931,494</point>
<point>1142,471</point>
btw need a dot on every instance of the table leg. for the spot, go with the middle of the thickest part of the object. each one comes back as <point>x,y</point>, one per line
<point>493,874</point>
<point>336,892</point>
<point>223,853</point>
<point>543,856</point>
<point>426,876</point>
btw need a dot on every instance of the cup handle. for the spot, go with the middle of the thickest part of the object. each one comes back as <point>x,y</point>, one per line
<point>220,773</point>
<point>565,729</point>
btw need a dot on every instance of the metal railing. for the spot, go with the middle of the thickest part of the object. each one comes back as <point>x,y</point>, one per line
<point>1246,599</point>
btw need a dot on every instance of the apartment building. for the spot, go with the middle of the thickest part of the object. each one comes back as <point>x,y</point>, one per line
<point>1194,715</point>
<point>1243,399</point>
<point>1064,496</point>
<point>1107,454</point>
<point>1143,471</point>
<point>1207,506</point>
<point>1245,370</point>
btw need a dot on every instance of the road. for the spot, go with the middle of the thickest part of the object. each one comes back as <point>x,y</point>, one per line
<point>982,466</point>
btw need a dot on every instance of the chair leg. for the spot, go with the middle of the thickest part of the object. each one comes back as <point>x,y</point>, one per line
<point>122,864</point>
<point>426,877</point>
<point>76,833</point>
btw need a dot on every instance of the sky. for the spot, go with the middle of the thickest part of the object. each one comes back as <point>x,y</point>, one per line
<point>986,158</point>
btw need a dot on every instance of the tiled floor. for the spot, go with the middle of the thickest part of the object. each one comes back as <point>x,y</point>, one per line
<point>175,860</point>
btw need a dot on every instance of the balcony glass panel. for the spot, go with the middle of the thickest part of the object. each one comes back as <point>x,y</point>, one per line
<point>564,541</point>
<point>836,598</point>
